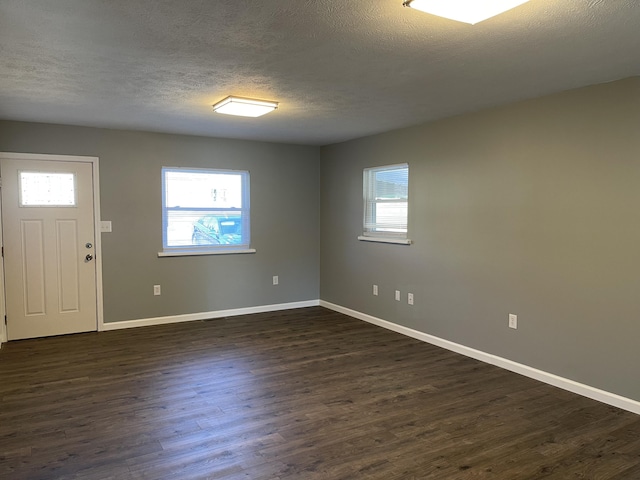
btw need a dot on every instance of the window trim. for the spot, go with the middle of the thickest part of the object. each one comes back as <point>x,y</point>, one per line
<point>193,250</point>
<point>399,238</point>
<point>377,239</point>
<point>192,253</point>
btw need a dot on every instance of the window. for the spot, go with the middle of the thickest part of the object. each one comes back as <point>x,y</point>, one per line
<point>205,211</point>
<point>40,189</point>
<point>386,198</point>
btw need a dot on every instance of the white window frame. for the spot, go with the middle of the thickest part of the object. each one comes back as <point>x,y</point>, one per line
<point>244,211</point>
<point>378,232</point>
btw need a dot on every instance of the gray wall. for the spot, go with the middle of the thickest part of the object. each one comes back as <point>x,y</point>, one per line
<point>529,209</point>
<point>284,219</point>
<point>532,209</point>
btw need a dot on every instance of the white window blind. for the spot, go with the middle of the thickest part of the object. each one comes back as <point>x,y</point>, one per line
<point>386,199</point>
<point>205,210</point>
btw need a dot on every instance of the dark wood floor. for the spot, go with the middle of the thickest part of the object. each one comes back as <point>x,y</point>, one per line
<point>301,394</point>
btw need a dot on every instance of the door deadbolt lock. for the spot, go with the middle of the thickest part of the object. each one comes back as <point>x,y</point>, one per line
<point>89,257</point>
<point>88,245</point>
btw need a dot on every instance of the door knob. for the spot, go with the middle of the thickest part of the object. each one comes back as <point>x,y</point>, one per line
<point>88,245</point>
<point>89,257</point>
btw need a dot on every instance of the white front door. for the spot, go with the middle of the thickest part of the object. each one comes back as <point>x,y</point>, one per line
<point>49,247</point>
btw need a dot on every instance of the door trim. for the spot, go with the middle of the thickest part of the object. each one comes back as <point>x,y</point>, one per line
<point>3,311</point>
<point>94,161</point>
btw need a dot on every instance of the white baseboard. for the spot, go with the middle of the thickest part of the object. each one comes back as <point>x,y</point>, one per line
<point>549,378</point>
<point>189,317</point>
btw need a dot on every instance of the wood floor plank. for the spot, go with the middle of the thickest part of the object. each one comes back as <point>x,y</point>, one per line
<point>299,394</point>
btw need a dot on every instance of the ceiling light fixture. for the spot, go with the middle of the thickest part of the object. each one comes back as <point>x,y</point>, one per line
<point>467,11</point>
<point>244,107</point>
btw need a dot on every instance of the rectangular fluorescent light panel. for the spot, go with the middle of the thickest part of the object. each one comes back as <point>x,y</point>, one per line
<point>244,107</point>
<point>467,11</point>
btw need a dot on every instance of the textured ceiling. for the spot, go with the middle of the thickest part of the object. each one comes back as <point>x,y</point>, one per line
<point>340,69</point>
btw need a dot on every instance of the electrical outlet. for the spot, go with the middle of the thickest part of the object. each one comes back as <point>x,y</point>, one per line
<point>513,321</point>
<point>397,295</point>
<point>156,290</point>
<point>375,290</point>
<point>410,298</point>
<point>275,280</point>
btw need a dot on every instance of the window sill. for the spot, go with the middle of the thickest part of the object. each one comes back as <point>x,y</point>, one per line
<point>184,253</point>
<point>397,241</point>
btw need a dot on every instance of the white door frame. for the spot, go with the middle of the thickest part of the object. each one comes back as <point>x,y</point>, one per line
<point>3,311</point>
<point>96,228</point>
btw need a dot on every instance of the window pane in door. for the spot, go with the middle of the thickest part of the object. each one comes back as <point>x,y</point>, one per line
<point>39,189</point>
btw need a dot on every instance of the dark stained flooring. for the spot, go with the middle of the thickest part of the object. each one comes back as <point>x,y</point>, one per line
<point>299,394</point>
